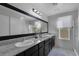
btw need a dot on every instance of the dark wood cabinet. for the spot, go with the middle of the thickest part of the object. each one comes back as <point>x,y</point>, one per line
<point>32,51</point>
<point>41,49</point>
<point>46,50</point>
<point>50,45</point>
<point>35,53</point>
<point>21,53</point>
<point>52,41</point>
<point>47,47</point>
<point>29,52</point>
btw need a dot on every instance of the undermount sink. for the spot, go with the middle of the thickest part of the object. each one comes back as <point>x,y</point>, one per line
<point>27,42</point>
<point>24,43</point>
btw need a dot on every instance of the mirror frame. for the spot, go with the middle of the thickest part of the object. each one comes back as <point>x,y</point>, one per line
<point>25,13</point>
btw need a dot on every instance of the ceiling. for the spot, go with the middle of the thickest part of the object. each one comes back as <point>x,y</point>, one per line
<point>47,9</point>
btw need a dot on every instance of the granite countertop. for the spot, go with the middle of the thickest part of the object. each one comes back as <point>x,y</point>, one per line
<point>11,49</point>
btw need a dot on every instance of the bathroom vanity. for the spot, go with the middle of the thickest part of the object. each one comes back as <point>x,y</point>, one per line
<point>40,49</point>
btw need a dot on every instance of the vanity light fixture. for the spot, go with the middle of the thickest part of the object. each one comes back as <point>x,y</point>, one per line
<point>36,11</point>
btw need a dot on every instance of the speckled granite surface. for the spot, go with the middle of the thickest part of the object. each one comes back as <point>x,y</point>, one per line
<point>11,49</point>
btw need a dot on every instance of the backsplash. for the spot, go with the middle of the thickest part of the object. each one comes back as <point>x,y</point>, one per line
<point>12,41</point>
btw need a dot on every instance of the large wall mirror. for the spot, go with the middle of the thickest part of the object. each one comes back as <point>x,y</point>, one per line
<point>44,27</point>
<point>27,25</point>
<point>16,23</point>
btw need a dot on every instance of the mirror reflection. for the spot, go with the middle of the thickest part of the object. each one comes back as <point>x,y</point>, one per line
<point>35,26</point>
<point>17,23</point>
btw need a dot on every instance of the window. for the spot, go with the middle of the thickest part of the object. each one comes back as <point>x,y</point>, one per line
<point>64,25</point>
<point>64,33</point>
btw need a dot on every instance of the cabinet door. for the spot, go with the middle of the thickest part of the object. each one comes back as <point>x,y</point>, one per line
<point>46,50</point>
<point>50,47</point>
<point>53,41</point>
<point>35,53</point>
<point>41,51</point>
<point>4,25</point>
<point>29,51</point>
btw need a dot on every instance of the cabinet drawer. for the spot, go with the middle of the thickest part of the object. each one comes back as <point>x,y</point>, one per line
<point>47,50</point>
<point>46,40</point>
<point>47,43</point>
<point>34,48</point>
<point>53,37</point>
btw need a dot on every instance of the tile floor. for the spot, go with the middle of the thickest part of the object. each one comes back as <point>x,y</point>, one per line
<point>61,52</point>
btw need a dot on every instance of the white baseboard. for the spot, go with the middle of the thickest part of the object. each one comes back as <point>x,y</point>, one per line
<point>75,52</point>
